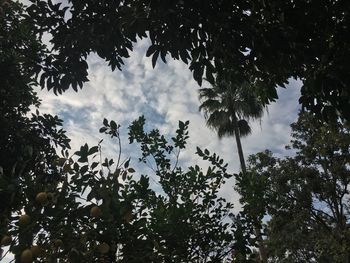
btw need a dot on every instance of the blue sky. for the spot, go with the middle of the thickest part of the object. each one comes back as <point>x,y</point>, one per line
<point>164,95</point>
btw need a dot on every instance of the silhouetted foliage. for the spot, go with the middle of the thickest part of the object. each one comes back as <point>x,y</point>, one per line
<point>57,206</point>
<point>262,43</point>
<point>306,197</point>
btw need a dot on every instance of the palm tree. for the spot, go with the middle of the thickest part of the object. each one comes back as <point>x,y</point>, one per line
<point>228,108</point>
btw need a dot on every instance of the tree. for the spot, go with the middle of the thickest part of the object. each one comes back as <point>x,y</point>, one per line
<point>189,216</point>
<point>261,43</point>
<point>305,196</point>
<point>228,107</point>
<point>27,142</point>
<point>101,211</point>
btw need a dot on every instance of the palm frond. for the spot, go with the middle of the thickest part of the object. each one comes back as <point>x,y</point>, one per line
<point>207,93</point>
<point>210,105</point>
<point>244,128</point>
<point>218,118</point>
<point>226,129</point>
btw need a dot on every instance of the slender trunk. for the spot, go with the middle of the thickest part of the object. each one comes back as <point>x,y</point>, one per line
<point>257,228</point>
<point>239,148</point>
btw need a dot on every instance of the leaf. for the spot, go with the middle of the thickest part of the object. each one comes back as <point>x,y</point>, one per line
<point>84,169</point>
<point>154,58</point>
<point>105,122</point>
<point>184,56</point>
<point>113,125</point>
<point>151,50</point>
<point>93,150</point>
<point>110,162</point>
<point>162,55</point>
<point>131,170</point>
<point>126,164</point>
<point>124,174</point>
<point>199,152</point>
<point>181,125</point>
<point>94,165</point>
<point>103,129</point>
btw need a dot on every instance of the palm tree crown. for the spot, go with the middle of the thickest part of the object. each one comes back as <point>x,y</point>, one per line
<point>225,106</point>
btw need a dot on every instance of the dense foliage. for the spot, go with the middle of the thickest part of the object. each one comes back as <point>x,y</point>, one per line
<point>95,210</point>
<point>259,42</point>
<point>26,142</point>
<point>305,196</point>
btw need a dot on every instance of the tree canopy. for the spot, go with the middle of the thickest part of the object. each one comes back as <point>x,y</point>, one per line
<point>259,42</point>
<point>306,196</point>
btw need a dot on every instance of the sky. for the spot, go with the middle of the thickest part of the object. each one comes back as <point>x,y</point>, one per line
<point>164,95</point>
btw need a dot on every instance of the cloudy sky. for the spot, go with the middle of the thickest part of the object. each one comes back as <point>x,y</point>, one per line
<point>164,95</point>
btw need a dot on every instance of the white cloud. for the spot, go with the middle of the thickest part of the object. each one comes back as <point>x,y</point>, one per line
<point>164,95</point>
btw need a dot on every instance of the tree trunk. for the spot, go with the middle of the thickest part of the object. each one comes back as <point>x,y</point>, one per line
<point>239,147</point>
<point>257,228</point>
